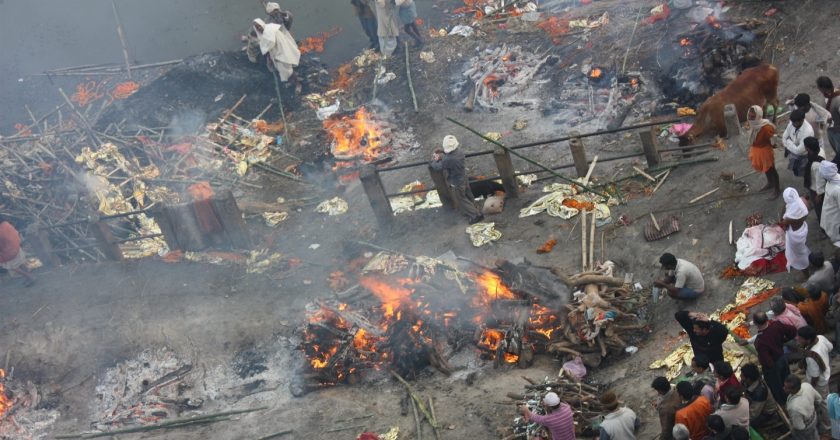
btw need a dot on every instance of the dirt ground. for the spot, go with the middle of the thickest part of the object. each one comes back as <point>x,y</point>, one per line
<point>78,321</point>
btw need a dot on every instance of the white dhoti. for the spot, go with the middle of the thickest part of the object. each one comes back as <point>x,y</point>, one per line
<point>796,249</point>
<point>388,26</point>
<point>277,43</point>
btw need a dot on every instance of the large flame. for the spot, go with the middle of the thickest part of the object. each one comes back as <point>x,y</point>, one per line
<point>354,137</point>
<point>5,402</point>
<point>391,296</point>
<point>491,287</point>
<point>596,73</point>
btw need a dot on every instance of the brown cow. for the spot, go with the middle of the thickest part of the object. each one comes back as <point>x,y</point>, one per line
<point>754,86</point>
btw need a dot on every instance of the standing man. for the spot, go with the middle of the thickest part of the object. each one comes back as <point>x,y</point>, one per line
<point>367,18</point>
<point>279,47</point>
<point>666,407</point>
<point>803,405</point>
<point>815,115</point>
<point>817,366</point>
<point>620,423</point>
<point>770,341</point>
<point>830,221</point>
<point>832,104</point>
<point>686,281</point>
<point>452,162</point>
<point>558,418</point>
<point>813,180</point>
<point>12,257</point>
<point>388,26</point>
<point>706,336</point>
<point>278,16</point>
<point>762,410</point>
<point>694,411</point>
<point>794,141</point>
<point>408,17</point>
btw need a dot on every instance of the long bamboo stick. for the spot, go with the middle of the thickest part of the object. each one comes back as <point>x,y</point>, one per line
<point>170,424</point>
<point>415,397</point>
<point>408,75</point>
<point>529,160</point>
<point>434,418</point>
<point>417,425</point>
<point>592,244</point>
<point>583,258</point>
<point>122,38</point>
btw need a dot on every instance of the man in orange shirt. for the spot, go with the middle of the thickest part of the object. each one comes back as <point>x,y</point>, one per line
<point>12,257</point>
<point>694,411</point>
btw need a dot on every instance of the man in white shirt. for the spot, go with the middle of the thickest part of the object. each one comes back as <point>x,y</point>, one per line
<point>815,115</point>
<point>817,366</point>
<point>794,141</point>
<point>813,180</point>
<point>686,282</point>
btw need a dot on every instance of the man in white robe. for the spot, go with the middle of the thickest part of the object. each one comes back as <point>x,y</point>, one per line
<point>830,221</point>
<point>388,26</point>
<point>279,47</point>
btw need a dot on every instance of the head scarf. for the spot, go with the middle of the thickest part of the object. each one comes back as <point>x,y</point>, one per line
<point>450,143</point>
<point>828,170</point>
<point>795,208</point>
<point>758,123</point>
<point>260,22</point>
<point>271,7</point>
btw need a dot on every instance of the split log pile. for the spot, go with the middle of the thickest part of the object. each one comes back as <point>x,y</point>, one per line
<point>408,313</point>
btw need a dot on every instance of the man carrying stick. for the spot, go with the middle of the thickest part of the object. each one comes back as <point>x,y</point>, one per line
<point>452,162</point>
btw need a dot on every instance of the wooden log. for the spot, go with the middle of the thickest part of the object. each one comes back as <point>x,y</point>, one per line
<point>578,153</point>
<point>644,174</point>
<point>592,243</point>
<point>376,195</point>
<point>442,188</point>
<point>161,217</point>
<point>105,240</point>
<point>655,188</point>
<point>224,205</point>
<point>504,164</point>
<point>649,147</point>
<point>733,125</point>
<point>590,170</point>
<point>408,75</point>
<point>39,241</point>
<point>185,226</point>
<point>418,427</point>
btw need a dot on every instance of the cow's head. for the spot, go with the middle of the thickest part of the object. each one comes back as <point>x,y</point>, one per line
<point>686,139</point>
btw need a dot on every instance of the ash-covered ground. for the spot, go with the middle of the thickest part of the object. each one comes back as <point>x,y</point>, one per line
<point>80,326</point>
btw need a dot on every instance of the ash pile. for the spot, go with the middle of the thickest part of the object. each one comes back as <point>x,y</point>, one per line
<point>26,410</point>
<point>407,313</point>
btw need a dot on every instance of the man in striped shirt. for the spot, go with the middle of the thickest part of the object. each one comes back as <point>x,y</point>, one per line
<point>558,418</point>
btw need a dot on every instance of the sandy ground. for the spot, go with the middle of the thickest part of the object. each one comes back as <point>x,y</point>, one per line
<point>80,320</point>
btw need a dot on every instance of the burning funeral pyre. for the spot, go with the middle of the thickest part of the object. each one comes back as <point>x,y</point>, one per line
<point>24,411</point>
<point>357,139</point>
<point>424,310</point>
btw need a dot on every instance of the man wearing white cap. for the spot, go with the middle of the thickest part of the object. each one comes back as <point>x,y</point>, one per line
<point>278,16</point>
<point>558,417</point>
<point>830,221</point>
<point>452,162</point>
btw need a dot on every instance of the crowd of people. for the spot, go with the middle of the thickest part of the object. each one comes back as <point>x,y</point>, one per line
<point>713,401</point>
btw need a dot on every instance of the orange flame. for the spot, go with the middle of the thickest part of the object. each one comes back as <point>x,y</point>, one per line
<point>491,287</point>
<point>5,402</point>
<point>685,42</point>
<point>712,21</point>
<point>317,42</point>
<point>392,297</point>
<point>354,137</point>
<point>596,73</point>
<point>511,358</point>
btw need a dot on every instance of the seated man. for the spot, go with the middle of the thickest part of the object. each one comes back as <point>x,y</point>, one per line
<point>762,410</point>
<point>686,281</point>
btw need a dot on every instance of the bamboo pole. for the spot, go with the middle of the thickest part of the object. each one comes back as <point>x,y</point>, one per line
<point>526,159</point>
<point>177,423</point>
<point>415,397</point>
<point>122,38</point>
<point>434,418</point>
<point>408,75</point>
<point>704,195</point>
<point>667,173</point>
<point>282,111</point>
<point>592,243</point>
<point>583,240</point>
<point>417,425</point>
